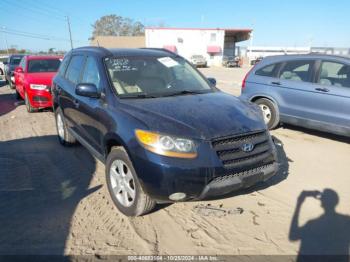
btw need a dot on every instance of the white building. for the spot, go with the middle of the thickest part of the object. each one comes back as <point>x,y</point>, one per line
<point>212,43</point>
<point>262,51</point>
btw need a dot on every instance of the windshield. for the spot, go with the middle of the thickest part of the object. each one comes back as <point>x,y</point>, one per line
<point>154,76</point>
<point>15,60</point>
<point>48,65</point>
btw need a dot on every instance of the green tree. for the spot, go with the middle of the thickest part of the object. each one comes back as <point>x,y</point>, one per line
<point>114,25</point>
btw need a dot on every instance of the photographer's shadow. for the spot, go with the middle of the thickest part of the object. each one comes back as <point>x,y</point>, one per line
<point>328,234</point>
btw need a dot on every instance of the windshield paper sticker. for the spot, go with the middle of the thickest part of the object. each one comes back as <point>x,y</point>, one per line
<point>168,62</point>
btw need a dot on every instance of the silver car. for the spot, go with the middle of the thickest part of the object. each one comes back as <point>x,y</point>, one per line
<point>198,61</point>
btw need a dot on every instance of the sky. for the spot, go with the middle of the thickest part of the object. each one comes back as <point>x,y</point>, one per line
<point>274,23</point>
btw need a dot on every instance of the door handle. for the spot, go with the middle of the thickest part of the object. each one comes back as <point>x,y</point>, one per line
<point>76,103</point>
<point>322,89</point>
<point>276,83</point>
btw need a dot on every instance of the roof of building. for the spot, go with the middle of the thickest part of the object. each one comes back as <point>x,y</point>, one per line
<point>205,29</point>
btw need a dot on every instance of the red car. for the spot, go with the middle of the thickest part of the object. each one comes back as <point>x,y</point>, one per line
<point>33,78</point>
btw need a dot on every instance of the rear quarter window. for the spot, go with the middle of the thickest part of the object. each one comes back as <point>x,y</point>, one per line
<point>268,70</point>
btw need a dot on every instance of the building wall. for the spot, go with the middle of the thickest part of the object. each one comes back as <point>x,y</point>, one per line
<point>119,41</point>
<point>188,42</point>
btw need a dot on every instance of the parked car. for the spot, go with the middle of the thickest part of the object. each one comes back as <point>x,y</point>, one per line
<point>256,60</point>
<point>231,61</point>
<point>33,79</point>
<point>3,61</point>
<point>164,132</point>
<point>198,61</point>
<point>312,91</point>
<point>12,62</point>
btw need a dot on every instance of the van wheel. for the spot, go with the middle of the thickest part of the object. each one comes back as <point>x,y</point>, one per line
<point>64,137</point>
<point>270,112</point>
<point>124,186</point>
<point>29,107</point>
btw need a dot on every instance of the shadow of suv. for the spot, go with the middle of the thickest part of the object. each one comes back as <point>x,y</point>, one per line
<point>164,132</point>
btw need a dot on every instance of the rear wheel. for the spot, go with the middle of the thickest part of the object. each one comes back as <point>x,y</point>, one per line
<point>124,186</point>
<point>64,137</point>
<point>29,107</point>
<point>270,112</point>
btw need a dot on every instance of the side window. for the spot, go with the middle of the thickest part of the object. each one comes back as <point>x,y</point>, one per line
<point>74,68</point>
<point>91,74</point>
<point>23,64</point>
<point>333,73</point>
<point>267,70</point>
<point>297,71</point>
<point>63,66</point>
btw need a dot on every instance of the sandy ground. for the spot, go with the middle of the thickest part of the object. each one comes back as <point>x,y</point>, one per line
<point>53,200</point>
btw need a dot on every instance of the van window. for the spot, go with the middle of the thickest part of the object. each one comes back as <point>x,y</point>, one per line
<point>91,74</point>
<point>297,70</point>
<point>74,68</point>
<point>336,74</point>
<point>267,70</point>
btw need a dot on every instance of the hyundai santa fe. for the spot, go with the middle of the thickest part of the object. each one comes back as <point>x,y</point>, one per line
<point>164,132</point>
<point>310,90</point>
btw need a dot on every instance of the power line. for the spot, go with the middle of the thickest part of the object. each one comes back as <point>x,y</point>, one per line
<point>34,10</point>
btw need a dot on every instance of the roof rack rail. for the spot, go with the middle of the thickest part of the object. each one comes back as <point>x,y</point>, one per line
<point>159,49</point>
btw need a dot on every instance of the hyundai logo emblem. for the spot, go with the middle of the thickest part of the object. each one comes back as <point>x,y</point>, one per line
<point>248,147</point>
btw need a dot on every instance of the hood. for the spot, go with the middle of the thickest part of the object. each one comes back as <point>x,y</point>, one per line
<point>40,78</point>
<point>203,116</point>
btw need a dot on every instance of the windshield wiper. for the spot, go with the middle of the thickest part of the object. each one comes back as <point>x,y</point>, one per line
<point>137,96</point>
<point>184,92</point>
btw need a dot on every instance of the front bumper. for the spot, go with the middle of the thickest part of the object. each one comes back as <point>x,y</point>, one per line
<point>40,98</point>
<point>202,177</point>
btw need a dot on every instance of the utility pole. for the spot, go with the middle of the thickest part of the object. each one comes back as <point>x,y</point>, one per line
<point>70,32</point>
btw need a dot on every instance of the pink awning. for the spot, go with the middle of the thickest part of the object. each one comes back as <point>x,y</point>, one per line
<point>171,48</point>
<point>213,49</point>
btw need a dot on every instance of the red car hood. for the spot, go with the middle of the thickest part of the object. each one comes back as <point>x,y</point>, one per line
<point>41,78</point>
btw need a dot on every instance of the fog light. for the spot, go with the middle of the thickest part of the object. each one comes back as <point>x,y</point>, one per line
<point>177,196</point>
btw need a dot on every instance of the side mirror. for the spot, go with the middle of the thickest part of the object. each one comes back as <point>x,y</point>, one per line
<point>88,90</point>
<point>212,81</point>
<point>19,69</point>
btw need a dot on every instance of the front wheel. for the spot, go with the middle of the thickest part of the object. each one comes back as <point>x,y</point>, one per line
<point>124,186</point>
<point>29,107</point>
<point>269,111</point>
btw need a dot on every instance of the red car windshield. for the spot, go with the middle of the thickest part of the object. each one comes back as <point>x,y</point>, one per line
<point>43,65</point>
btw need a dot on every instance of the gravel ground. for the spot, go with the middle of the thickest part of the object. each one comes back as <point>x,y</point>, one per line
<point>53,200</point>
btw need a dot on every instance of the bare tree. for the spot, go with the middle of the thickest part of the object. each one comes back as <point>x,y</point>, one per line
<point>114,25</point>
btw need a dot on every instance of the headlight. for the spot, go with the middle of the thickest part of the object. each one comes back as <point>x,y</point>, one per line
<point>166,145</point>
<point>38,87</point>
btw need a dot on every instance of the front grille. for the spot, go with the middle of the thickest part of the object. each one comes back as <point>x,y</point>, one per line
<point>40,99</point>
<point>230,152</point>
<point>241,174</point>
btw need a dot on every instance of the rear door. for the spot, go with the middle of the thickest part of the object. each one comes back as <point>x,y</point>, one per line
<point>300,101</point>
<point>66,90</point>
<point>333,84</point>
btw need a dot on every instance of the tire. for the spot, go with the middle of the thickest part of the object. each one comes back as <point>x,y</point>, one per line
<point>64,137</point>
<point>12,86</point>
<point>18,96</point>
<point>29,107</point>
<point>138,202</point>
<point>270,112</point>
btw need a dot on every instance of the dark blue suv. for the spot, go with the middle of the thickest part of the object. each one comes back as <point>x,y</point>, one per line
<point>164,132</point>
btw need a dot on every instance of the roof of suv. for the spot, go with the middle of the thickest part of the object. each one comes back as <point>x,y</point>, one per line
<point>151,52</point>
<point>306,56</point>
